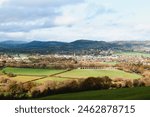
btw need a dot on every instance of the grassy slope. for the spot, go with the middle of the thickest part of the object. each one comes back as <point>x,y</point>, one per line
<point>30,71</point>
<point>84,73</point>
<point>140,93</point>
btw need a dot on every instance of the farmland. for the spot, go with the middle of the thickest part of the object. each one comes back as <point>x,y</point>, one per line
<point>30,71</point>
<point>57,79</point>
<point>25,78</point>
<point>138,54</point>
<point>140,93</point>
<point>31,74</point>
<point>112,73</point>
<point>43,75</point>
<point>90,77</point>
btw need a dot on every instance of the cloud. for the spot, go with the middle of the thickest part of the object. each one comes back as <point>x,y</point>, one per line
<point>42,3</point>
<point>24,15</point>
<point>68,20</point>
<point>2,2</point>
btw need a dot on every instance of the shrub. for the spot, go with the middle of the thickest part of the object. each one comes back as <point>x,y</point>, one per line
<point>28,86</point>
<point>11,75</point>
<point>68,86</point>
<point>146,74</point>
<point>96,83</point>
<point>118,79</point>
<point>4,80</point>
<point>35,92</point>
<point>16,90</point>
<point>51,84</point>
<point>128,83</point>
<point>146,81</point>
<point>138,83</point>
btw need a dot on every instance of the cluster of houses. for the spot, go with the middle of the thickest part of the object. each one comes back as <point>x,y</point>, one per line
<point>81,58</point>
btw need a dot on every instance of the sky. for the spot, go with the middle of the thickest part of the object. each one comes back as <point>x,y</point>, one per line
<point>69,20</point>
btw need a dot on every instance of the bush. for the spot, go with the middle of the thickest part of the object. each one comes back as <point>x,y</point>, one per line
<point>146,81</point>
<point>51,84</point>
<point>146,74</point>
<point>118,79</point>
<point>28,86</point>
<point>11,75</point>
<point>4,80</point>
<point>128,83</point>
<point>68,86</point>
<point>96,83</point>
<point>138,83</point>
<point>16,90</point>
<point>35,92</point>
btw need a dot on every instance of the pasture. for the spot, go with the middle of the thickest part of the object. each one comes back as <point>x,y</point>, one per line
<point>57,79</point>
<point>31,71</point>
<point>112,73</point>
<point>25,78</point>
<point>43,75</point>
<point>109,63</point>
<point>31,74</point>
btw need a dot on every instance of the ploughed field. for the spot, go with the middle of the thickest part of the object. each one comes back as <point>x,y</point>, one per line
<point>138,93</point>
<point>43,75</point>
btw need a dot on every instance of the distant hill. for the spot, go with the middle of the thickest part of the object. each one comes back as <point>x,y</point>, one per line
<point>41,44</point>
<point>11,42</point>
<point>77,46</point>
<point>88,44</point>
<point>134,45</point>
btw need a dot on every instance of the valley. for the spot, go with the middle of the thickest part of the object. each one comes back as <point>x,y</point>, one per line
<point>29,76</point>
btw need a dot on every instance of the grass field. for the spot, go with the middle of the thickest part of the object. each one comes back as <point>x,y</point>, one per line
<point>140,93</point>
<point>30,71</point>
<point>51,79</point>
<point>84,73</point>
<point>28,74</point>
<point>133,54</point>
<point>110,63</point>
<point>24,78</point>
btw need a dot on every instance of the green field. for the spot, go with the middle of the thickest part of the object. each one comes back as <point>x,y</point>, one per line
<point>31,71</point>
<point>140,93</point>
<point>24,78</point>
<point>110,63</point>
<point>51,79</point>
<point>29,74</point>
<point>133,54</point>
<point>84,73</point>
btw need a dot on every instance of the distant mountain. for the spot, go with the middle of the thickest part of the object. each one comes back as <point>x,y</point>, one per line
<point>134,45</point>
<point>78,46</point>
<point>11,42</point>
<point>42,44</point>
<point>88,44</point>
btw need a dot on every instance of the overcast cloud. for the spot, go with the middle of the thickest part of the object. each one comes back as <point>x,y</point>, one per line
<point>69,20</point>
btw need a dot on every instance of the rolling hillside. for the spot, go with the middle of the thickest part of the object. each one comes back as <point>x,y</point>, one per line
<point>140,93</point>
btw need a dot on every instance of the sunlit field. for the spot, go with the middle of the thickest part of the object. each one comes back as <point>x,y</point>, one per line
<point>84,73</point>
<point>31,71</point>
